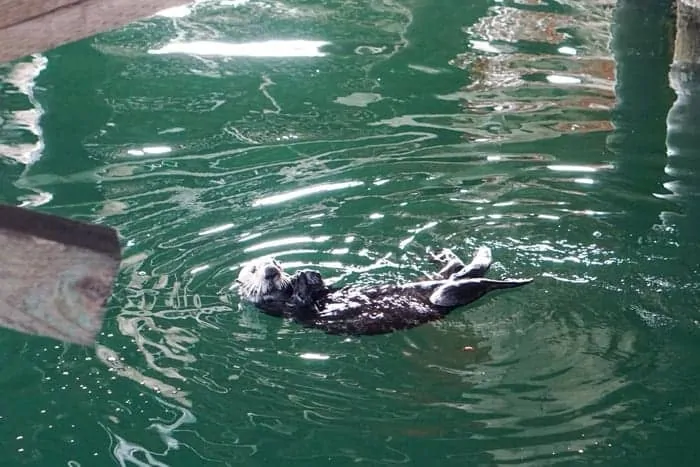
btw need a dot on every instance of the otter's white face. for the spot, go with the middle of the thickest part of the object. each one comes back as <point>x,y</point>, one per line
<point>261,277</point>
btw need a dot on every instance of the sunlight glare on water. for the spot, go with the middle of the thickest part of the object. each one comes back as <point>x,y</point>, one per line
<point>273,48</point>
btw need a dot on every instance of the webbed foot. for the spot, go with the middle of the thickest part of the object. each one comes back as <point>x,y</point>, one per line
<point>481,262</point>
<point>447,260</point>
<point>454,269</point>
<point>465,291</point>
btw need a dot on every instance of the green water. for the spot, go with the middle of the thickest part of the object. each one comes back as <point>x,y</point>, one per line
<point>400,135</point>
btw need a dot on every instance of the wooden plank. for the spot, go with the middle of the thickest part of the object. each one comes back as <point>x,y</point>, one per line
<point>55,274</point>
<point>14,11</point>
<point>32,26</point>
<point>687,45</point>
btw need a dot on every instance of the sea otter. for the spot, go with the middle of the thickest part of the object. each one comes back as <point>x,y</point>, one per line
<point>363,310</point>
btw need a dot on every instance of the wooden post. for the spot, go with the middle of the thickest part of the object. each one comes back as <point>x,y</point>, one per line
<point>31,26</point>
<point>687,47</point>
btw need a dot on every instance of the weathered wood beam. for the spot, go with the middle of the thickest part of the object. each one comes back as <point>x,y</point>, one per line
<point>31,26</point>
<point>687,46</point>
<point>56,275</point>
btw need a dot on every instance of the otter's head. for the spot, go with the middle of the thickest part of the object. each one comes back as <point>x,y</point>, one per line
<point>262,278</point>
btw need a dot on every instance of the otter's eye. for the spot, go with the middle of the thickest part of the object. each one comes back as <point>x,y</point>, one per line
<point>252,269</point>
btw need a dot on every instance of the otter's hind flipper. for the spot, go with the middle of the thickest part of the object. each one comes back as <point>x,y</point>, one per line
<point>453,268</point>
<point>458,293</point>
<point>481,262</point>
<point>447,260</point>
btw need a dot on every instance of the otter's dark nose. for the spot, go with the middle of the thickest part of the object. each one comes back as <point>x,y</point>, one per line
<point>271,272</point>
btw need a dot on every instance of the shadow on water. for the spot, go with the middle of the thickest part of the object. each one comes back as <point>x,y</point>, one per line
<point>366,134</point>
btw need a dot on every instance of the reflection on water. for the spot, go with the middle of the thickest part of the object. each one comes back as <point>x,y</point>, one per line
<point>21,136</point>
<point>383,131</point>
<point>20,78</point>
<point>524,65</point>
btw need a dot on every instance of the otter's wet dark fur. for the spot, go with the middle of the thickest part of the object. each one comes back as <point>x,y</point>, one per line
<point>305,298</point>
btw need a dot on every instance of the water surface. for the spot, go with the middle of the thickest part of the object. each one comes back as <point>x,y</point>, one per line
<point>349,137</point>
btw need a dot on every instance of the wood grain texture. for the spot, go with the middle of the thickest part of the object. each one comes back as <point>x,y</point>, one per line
<point>32,26</point>
<point>687,45</point>
<point>55,275</point>
<point>16,11</point>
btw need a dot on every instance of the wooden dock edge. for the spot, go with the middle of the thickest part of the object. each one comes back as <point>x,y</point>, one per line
<point>33,26</point>
<point>687,43</point>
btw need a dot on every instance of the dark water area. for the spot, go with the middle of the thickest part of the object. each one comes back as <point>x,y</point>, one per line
<point>367,133</point>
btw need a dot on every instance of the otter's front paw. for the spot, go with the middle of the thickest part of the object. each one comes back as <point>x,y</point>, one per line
<point>310,277</point>
<point>445,256</point>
